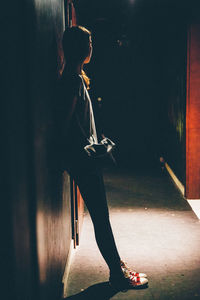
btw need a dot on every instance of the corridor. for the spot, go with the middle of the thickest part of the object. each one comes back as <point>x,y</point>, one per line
<point>156,232</point>
<point>141,67</point>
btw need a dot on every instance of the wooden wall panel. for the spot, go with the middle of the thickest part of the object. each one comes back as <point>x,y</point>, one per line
<point>36,202</point>
<point>193,114</point>
<point>80,213</point>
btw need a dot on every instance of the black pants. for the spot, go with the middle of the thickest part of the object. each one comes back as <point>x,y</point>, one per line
<point>88,176</point>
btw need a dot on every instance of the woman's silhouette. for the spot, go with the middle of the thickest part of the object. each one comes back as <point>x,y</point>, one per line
<point>77,125</point>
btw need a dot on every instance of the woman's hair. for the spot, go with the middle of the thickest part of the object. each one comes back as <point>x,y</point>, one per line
<point>76,47</point>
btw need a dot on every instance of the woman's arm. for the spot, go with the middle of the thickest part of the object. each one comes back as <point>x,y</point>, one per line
<point>70,110</point>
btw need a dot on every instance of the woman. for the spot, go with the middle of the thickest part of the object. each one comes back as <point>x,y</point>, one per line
<point>78,126</point>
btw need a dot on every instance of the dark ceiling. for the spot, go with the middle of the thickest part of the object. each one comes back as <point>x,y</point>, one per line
<point>124,11</point>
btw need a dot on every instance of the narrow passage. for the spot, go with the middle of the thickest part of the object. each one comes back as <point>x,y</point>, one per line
<point>156,232</point>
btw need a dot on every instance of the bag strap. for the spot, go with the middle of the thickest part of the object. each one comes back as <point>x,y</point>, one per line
<point>91,116</point>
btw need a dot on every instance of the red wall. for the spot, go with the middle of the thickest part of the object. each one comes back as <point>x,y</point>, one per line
<point>193,114</point>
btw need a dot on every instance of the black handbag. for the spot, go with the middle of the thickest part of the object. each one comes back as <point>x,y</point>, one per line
<point>98,150</point>
<point>95,149</point>
<point>101,149</point>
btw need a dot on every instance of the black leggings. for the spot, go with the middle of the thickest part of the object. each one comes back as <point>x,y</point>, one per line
<point>91,185</point>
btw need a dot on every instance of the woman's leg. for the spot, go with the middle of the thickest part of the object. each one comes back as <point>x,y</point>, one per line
<point>92,189</point>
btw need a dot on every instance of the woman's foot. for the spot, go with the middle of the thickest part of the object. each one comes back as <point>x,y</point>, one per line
<point>125,283</point>
<point>124,280</point>
<point>127,270</point>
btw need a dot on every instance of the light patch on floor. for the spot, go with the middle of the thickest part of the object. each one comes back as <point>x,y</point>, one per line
<point>156,233</point>
<point>154,241</point>
<point>195,204</point>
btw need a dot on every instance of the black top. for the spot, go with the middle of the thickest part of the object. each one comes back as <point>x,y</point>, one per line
<point>75,115</point>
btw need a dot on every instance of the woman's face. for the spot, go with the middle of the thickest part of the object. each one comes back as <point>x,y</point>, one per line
<point>87,60</point>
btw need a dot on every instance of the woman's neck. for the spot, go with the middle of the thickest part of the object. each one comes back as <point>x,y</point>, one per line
<point>74,69</point>
<point>79,69</point>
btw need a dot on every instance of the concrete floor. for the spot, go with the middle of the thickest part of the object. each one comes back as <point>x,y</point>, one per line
<point>156,232</point>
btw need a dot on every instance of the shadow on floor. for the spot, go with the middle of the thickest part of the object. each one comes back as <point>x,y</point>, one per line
<point>99,291</point>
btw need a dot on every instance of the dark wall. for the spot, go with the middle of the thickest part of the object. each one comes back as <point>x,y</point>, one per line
<point>35,202</point>
<point>138,68</point>
<point>173,140</point>
<point>19,265</point>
